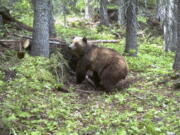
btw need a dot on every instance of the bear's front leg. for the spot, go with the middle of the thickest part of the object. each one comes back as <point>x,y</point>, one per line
<point>81,70</point>
<point>95,78</point>
<point>80,77</point>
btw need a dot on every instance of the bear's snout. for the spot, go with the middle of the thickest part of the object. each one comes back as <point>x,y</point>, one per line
<point>70,46</point>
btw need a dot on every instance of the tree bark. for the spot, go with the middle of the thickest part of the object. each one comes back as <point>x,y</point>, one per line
<point>131,28</point>
<point>121,12</point>
<point>176,65</point>
<point>52,31</point>
<point>104,19</point>
<point>160,9</point>
<point>1,21</point>
<point>12,2</point>
<point>40,42</point>
<point>88,9</point>
<point>170,30</point>
<point>64,14</point>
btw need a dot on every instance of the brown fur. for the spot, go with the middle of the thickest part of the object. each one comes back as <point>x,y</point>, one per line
<point>108,66</point>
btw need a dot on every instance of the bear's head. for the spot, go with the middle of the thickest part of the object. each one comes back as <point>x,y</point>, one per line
<point>78,45</point>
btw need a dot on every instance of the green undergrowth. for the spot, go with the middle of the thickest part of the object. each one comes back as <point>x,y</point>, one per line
<point>31,105</point>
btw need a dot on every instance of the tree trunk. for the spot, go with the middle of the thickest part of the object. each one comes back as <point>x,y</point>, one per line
<point>160,9</point>
<point>88,9</point>
<point>1,21</point>
<point>176,65</point>
<point>32,4</point>
<point>131,28</point>
<point>52,31</point>
<point>121,12</point>
<point>12,2</point>
<point>145,3</point>
<point>64,14</point>
<point>104,19</point>
<point>170,30</point>
<point>1,26</point>
<point>40,42</point>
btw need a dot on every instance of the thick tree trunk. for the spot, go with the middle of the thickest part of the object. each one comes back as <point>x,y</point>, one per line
<point>40,42</point>
<point>161,9</point>
<point>121,12</point>
<point>170,30</point>
<point>52,31</point>
<point>176,65</point>
<point>131,28</point>
<point>104,19</point>
<point>88,9</point>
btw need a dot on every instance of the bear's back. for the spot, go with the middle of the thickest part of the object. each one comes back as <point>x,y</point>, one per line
<point>101,57</point>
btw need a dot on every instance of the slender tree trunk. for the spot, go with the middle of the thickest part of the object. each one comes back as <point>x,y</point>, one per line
<point>131,28</point>
<point>121,12</point>
<point>145,3</point>
<point>52,31</point>
<point>1,21</point>
<point>40,42</point>
<point>88,9</point>
<point>12,2</point>
<point>104,19</point>
<point>1,25</point>
<point>176,65</point>
<point>64,15</point>
<point>32,4</point>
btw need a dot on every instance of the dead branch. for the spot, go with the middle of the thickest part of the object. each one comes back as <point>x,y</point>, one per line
<point>11,44</point>
<point>90,81</point>
<point>7,18</point>
<point>4,45</point>
<point>85,91</point>
<point>21,26</point>
<point>140,98</point>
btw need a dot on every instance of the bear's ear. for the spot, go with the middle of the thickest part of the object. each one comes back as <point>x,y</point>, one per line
<point>84,39</point>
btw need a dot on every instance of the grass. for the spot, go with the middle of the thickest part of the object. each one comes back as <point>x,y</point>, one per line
<point>30,106</point>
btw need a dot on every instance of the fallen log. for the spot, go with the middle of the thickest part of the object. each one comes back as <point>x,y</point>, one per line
<point>53,41</point>
<point>11,44</point>
<point>103,41</point>
<point>57,41</point>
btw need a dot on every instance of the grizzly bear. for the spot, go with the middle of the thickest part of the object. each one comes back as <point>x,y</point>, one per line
<point>107,65</point>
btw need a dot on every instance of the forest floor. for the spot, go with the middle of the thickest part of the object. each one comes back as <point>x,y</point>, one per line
<point>30,103</point>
